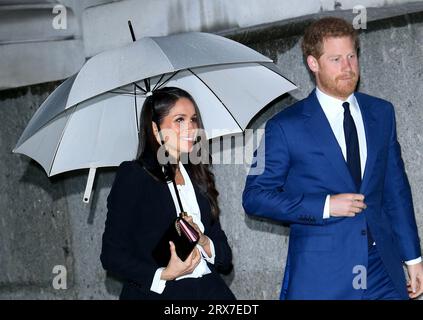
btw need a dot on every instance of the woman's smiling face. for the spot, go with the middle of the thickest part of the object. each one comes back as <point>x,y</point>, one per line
<point>179,127</point>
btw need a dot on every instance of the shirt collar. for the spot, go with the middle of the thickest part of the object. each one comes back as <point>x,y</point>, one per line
<point>185,175</point>
<point>331,106</point>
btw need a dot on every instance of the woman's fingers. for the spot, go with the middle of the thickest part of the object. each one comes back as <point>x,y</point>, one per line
<point>184,267</point>
<point>172,247</point>
<point>189,219</point>
<point>195,260</point>
<point>173,254</point>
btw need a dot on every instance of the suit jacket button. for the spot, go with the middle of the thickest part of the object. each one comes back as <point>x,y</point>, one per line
<point>363,232</point>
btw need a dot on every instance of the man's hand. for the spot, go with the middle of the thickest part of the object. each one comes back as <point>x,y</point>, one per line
<point>415,282</point>
<point>346,204</point>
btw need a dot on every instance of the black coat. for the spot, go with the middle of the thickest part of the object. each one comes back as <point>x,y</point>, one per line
<point>140,209</point>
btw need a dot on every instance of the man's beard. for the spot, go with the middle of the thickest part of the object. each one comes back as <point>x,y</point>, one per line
<point>340,87</point>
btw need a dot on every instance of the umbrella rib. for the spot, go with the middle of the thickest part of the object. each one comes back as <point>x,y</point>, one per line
<point>217,97</point>
<point>142,89</point>
<point>174,74</point>
<point>280,75</point>
<point>121,92</point>
<point>158,82</point>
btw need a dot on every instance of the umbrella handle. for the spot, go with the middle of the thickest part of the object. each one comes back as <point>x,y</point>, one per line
<point>89,186</point>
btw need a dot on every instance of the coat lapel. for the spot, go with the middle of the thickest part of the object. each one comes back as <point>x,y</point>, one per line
<point>370,129</point>
<point>319,128</point>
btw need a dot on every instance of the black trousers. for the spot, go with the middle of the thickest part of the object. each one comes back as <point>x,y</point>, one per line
<point>208,287</point>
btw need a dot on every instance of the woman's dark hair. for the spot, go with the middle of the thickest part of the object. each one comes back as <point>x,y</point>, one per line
<point>155,108</point>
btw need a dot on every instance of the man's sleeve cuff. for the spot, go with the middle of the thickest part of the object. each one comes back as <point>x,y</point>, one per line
<point>326,212</point>
<point>414,261</point>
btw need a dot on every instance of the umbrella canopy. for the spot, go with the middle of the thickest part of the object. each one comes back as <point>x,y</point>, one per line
<point>91,119</point>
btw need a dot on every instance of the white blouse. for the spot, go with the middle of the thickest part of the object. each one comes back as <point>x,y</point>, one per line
<point>190,204</point>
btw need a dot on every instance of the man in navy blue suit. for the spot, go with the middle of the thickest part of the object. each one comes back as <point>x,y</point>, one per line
<point>333,171</point>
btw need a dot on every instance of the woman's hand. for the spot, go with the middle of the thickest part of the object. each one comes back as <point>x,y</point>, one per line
<point>176,267</point>
<point>204,240</point>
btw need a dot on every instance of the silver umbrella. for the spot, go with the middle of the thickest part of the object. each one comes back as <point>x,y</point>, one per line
<point>91,119</point>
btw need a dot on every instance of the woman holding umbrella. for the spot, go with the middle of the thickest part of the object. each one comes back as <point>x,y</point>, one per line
<point>142,204</point>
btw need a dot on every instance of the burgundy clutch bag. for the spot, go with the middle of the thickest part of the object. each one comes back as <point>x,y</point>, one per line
<point>183,235</point>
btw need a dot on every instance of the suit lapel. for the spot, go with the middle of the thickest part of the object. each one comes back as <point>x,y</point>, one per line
<point>370,129</point>
<point>319,128</point>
